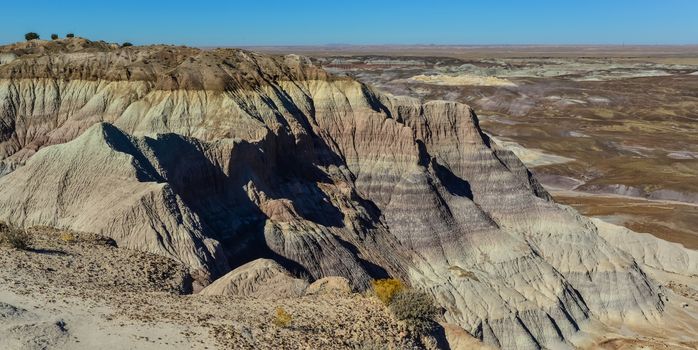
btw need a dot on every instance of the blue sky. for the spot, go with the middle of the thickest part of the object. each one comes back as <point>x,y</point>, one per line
<point>278,22</point>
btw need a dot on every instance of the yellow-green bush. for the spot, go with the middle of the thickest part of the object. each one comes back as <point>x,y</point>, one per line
<point>67,237</point>
<point>385,289</point>
<point>282,318</point>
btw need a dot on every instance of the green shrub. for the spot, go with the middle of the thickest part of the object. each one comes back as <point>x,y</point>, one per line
<point>15,238</point>
<point>416,309</point>
<point>54,36</point>
<point>70,35</point>
<point>385,289</point>
<point>31,36</point>
<point>126,44</point>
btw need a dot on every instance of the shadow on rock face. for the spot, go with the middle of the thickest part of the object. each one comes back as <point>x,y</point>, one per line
<point>454,184</point>
<point>228,184</point>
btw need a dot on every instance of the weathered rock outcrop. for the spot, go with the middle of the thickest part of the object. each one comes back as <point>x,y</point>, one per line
<point>217,158</point>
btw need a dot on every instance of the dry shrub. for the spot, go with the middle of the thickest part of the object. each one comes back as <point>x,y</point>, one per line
<point>14,237</point>
<point>282,318</point>
<point>416,309</point>
<point>385,289</point>
<point>67,237</point>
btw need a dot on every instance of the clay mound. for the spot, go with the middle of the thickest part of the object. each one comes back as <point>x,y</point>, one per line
<point>261,278</point>
<point>330,285</point>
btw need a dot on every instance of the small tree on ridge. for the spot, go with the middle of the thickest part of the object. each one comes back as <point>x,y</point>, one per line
<point>31,36</point>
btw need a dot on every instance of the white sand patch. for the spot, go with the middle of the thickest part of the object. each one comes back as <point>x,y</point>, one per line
<point>530,156</point>
<point>606,75</point>
<point>498,119</point>
<point>598,99</point>
<point>641,151</point>
<point>461,80</point>
<point>683,155</point>
<point>577,134</point>
<point>553,182</point>
<point>569,102</point>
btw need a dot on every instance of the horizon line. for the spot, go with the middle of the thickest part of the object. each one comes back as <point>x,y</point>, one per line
<point>418,45</point>
<point>450,45</point>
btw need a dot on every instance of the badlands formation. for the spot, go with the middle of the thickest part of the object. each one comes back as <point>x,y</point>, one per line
<point>261,174</point>
<point>608,130</point>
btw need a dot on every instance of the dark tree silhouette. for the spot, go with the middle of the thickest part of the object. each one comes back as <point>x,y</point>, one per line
<point>31,36</point>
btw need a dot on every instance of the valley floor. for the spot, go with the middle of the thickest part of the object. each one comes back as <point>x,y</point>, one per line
<point>669,220</point>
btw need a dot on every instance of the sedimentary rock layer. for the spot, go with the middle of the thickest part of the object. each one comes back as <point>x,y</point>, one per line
<point>217,158</point>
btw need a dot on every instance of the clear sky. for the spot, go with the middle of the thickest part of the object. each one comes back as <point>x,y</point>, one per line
<point>310,22</point>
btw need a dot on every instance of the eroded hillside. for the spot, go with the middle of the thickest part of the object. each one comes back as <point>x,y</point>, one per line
<point>218,158</point>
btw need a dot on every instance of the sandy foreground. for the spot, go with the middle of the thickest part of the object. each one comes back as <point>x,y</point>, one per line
<point>80,292</point>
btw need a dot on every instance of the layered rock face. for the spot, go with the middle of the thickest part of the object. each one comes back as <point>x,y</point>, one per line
<point>217,158</point>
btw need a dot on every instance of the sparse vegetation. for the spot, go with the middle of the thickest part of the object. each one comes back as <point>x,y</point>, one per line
<point>385,289</point>
<point>67,237</point>
<point>126,44</point>
<point>31,36</point>
<point>413,307</point>
<point>282,318</point>
<point>54,36</point>
<point>70,35</point>
<point>416,309</point>
<point>14,237</point>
